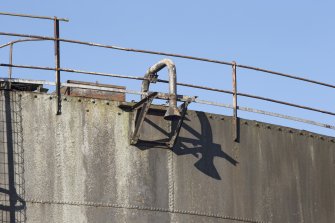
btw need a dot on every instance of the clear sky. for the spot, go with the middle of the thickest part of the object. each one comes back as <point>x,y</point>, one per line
<point>295,37</point>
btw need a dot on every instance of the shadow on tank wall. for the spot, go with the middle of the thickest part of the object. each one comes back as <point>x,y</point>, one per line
<point>12,203</point>
<point>199,144</point>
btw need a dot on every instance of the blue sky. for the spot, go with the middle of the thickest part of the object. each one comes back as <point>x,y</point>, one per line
<point>295,37</point>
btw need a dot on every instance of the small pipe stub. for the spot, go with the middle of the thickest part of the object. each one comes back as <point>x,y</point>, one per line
<point>172,113</point>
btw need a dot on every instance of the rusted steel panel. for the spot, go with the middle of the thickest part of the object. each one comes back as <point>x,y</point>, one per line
<point>90,93</point>
<point>19,86</point>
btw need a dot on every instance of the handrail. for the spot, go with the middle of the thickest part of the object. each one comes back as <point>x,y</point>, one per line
<point>34,16</point>
<point>20,41</point>
<point>180,98</point>
<point>147,79</point>
<point>165,81</point>
<point>169,54</point>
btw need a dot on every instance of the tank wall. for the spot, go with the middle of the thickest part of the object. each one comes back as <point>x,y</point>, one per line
<point>80,167</point>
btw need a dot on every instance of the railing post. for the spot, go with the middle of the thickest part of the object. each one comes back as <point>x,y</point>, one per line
<point>57,66</point>
<point>235,127</point>
<point>10,68</point>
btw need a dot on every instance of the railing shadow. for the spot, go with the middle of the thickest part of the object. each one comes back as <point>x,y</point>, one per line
<point>197,143</point>
<point>12,204</point>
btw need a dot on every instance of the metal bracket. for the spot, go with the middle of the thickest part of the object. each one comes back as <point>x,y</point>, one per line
<point>144,100</point>
<point>144,105</point>
<point>153,77</point>
<point>175,133</point>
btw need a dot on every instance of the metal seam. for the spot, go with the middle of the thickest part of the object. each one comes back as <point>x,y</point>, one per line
<point>170,180</point>
<point>135,207</point>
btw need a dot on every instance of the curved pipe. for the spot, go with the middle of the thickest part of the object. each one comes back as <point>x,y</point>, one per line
<point>173,112</point>
<point>21,40</point>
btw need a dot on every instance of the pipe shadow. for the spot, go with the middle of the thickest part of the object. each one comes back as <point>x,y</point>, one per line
<point>197,143</point>
<point>12,204</point>
<point>202,147</point>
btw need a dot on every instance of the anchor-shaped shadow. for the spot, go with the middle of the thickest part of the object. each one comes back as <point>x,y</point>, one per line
<point>199,144</point>
<point>203,147</point>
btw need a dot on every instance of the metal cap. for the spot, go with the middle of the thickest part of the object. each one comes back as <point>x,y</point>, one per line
<point>172,113</point>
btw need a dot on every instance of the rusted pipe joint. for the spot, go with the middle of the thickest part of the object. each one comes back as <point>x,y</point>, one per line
<point>173,112</point>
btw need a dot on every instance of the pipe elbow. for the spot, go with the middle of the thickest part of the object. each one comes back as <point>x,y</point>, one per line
<point>161,64</point>
<point>156,68</point>
<point>173,112</point>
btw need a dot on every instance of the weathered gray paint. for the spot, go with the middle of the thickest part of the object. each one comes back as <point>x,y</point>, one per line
<point>79,167</point>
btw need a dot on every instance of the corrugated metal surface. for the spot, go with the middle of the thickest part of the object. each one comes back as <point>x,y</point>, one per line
<point>79,167</point>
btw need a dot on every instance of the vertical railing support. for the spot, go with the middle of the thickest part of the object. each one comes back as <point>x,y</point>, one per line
<point>10,68</point>
<point>235,126</point>
<point>57,66</point>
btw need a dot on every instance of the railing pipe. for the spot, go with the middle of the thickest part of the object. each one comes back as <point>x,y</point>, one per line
<point>170,54</point>
<point>57,66</point>
<point>33,16</point>
<point>10,69</point>
<point>151,75</point>
<point>10,61</point>
<point>235,130</point>
<point>20,41</point>
<point>184,98</point>
<point>181,84</point>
